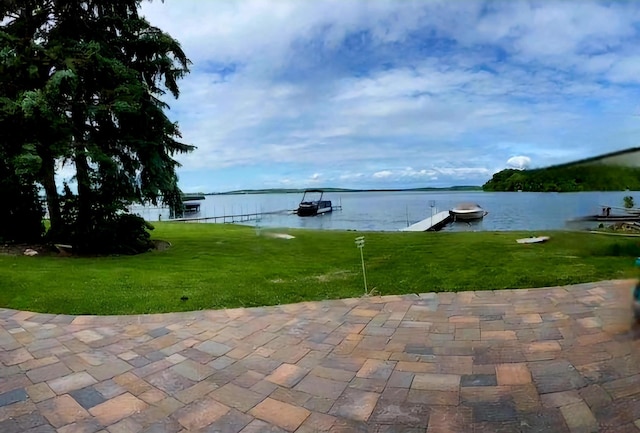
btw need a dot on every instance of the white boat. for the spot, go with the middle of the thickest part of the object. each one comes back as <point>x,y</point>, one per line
<point>467,212</point>
<point>533,240</point>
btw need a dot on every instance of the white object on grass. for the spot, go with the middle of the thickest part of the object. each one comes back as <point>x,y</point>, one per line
<point>280,236</point>
<point>360,245</point>
<point>533,240</point>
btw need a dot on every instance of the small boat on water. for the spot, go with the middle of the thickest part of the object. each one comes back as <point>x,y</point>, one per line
<point>467,212</point>
<point>312,204</point>
<point>191,207</point>
<point>188,207</point>
<point>193,196</point>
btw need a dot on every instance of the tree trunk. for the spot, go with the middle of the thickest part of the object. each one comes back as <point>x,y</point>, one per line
<point>47,177</point>
<point>83,223</point>
<point>84,189</point>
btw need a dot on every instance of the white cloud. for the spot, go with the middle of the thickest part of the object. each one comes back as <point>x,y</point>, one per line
<point>519,162</point>
<point>625,70</point>
<point>384,174</point>
<point>362,86</point>
<point>411,175</point>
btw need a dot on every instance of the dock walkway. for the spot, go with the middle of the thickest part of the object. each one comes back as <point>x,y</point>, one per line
<point>233,218</point>
<point>432,223</point>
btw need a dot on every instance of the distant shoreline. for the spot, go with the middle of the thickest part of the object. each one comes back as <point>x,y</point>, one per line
<point>345,190</point>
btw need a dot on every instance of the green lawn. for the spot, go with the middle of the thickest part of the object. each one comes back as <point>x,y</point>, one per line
<point>219,266</point>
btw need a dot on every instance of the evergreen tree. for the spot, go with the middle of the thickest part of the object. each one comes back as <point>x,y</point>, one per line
<point>21,213</point>
<point>100,71</point>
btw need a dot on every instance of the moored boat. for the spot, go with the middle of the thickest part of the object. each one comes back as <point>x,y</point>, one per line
<point>467,212</point>
<point>188,205</point>
<point>193,196</point>
<point>191,207</point>
<point>314,204</point>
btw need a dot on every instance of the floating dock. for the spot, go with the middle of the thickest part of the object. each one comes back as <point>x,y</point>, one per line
<point>432,223</point>
<point>609,218</point>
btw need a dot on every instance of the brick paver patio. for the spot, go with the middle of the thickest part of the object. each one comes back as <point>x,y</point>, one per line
<point>561,359</point>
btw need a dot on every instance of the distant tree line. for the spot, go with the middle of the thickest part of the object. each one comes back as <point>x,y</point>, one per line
<point>300,190</point>
<point>80,86</point>
<point>566,179</point>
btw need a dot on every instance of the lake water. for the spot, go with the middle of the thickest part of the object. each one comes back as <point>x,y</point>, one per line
<point>391,211</point>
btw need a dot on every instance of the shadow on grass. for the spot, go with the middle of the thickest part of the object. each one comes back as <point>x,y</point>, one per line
<point>616,249</point>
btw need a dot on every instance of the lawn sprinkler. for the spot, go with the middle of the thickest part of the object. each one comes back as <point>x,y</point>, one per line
<point>636,296</point>
<point>360,245</point>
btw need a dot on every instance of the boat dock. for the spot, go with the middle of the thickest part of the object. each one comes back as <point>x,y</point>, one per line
<point>191,207</point>
<point>609,218</point>
<point>233,218</point>
<point>432,223</point>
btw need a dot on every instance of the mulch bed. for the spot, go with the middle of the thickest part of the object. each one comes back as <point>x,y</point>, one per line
<point>19,249</point>
<point>50,250</point>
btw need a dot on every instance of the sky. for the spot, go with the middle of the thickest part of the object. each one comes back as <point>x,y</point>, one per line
<point>385,94</point>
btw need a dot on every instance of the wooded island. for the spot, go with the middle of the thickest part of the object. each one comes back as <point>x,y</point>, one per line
<point>566,179</point>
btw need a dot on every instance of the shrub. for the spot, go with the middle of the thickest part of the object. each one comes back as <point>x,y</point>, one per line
<point>628,202</point>
<point>108,231</point>
<point>122,234</point>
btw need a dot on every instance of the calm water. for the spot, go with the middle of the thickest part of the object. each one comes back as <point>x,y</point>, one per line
<point>391,211</point>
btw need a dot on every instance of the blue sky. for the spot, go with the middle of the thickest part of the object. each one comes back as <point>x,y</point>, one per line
<point>398,94</point>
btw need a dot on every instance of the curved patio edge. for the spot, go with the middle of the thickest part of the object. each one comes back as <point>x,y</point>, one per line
<point>559,359</point>
<point>25,315</point>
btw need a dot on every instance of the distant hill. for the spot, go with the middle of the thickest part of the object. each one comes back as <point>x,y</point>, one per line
<point>622,158</point>
<point>567,178</point>
<point>615,171</point>
<point>300,191</point>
